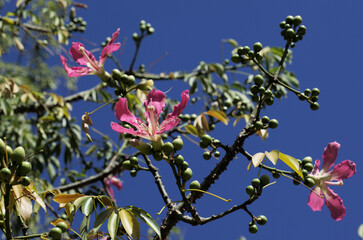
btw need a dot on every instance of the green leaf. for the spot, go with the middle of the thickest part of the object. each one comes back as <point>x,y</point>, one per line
<point>87,206</point>
<point>84,227</point>
<point>130,223</point>
<point>101,218</point>
<point>221,116</point>
<point>113,224</point>
<point>66,198</point>
<point>231,41</point>
<point>191,129</point>
<point>292,163</point>
<point>144,216</point>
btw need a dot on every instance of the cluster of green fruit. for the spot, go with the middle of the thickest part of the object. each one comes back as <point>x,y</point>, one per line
<point>56,232</point>
<point>14,166</point>
<point>205,141</point>
<point>132,165</point>
<point>245,54</point>
<point>312,96</point>
<point>291,30</point>
<point>257,185</point>
<point>145,28</point>
<point>307,166</point>
<point>264,123</point>
<point>260,220</point>
<point>77,24</point>
<point>258,91</point>
<point>120,81</point>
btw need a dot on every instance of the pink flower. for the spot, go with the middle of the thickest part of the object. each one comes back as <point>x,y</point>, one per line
<point>86,58</point>
<point>323,178</point>
<point>115,182</point>
<point>154,105</point>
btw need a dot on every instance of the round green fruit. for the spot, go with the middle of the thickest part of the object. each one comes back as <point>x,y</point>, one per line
<point>18,155</point>
<point>133,160</point>
<point>290,33</point>
<point>63,226</point>
<point>314,106</point>
<point>253,228</point>
<point>254,89</point>
<point>289,19</point>
<point>256,182</point>
<point>179,160</point>
<point>265,119</point>
<point>116,74</point>
<point>185,165</point>
<point>187,174</point>
<point>206,139</point>
<point>55,233</point>
<point>217,154</point>
<point>167,148</point>
<point>273,123</point>
<point>308,166</point>
<point>194,185</point>
<point>9,150</point>
<point>133,173</point>
<point>276,175</point>
<point>306,160</point>
<point>207,155</point>
<point>235,58</point>
<point>158,156</point>
<point>265,179</point>
<point>25,181</point>
<point>5,174</point>
<point>309,182</point>
<point>250,190</point>
<point>257,47</point>
<point>258,125</point>
<point>261,220</point>
<point>315,92</point>
<point>178,144</point>
<point>2,148</point>
<point>297,20</point>
<point>24,168</point>
<point>127,165</point>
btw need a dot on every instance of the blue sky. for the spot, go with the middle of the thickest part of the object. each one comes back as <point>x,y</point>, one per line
<point>327,58</point>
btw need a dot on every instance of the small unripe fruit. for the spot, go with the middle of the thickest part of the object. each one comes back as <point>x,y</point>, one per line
<point>206,139</point>
<point>282,24</point>
<point>265,179</point>
<point>290,33</point>
<point>207,155</point>
<point>254,89</point>
<point>297,20</point>
<point>314,106</point>
<point>269,101</point>
<point>18,155</point>
<point>194,185</point>
<point>301,30</point>
<point>257,47</point>
<point>314,98</point>
<point>309,182</point>
<point>276,175</point>
<point>289,19</point>
<point>158,156</point>
<point>167,148</point>
<point>24,168</point>
<point>202,144</point>
<point>315,92</point>
<point>235,58</point>
<point>304,172</point>
<point>116,74</point>
<point>5,174</point>
<point>179,160</point>
<point>258,125</point>
<point>133,160</point>
<point>178,144</point>
<point>258,80</point>
<point>25,181</point>
<point>256,182</point>
<point>217,154</point>
<point>246,49</point>
<point>306,160</point>
<point>265,119</point>
<point>253,228</point>
<point>250,190</point>
<point>307,92</point>
<point>63,226</point>
<point>273,123</point>
<point>130,80</point>
<point>262,220</point>
<point>309,167</point>
<point>240,51</point>
<point>185,165</point>
<point>127,165</point>
<point>9,150</point>
<point>55,233</point>
<point>133,173</point>
<point>2,148</point>
<point>187,174</point>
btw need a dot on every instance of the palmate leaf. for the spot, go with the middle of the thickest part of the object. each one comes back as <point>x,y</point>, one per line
<point>101,218</point>
<point>113,224</point>
<point>144,216</point>
<point>130,223</point>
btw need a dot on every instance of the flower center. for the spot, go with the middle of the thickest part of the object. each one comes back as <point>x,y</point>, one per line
<point>91,63</point>
<point>335,183</point>
<point>152,120</point>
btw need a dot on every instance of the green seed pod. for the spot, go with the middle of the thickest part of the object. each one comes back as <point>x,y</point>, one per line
<point>240,51</point>
<point>276,175</point>
<point>282,24</point>
<point>297,20</point>
<point>307,92</point>
<point>254,89</point>
<point>261,220</point>
<point>158,155</point>
<point>290,33</point>
<point>18,155</point>
<point>193,116</point>
<point>202,144</point>
<point>24,168</point>
<point>301,30</point>
<point>256,183</point>
<point>257,47</point>
<point>305,172</point>
<point>9,150</point>
<point>309,182</point>
<point>164,136</point>
<point>112,83</point>
<point>217,154</point>
<point>2,148</point>
<point>255,98</point>
<point>258,125</point>
<point>253,228</point>
<point>135,37</point>
<point>5,174</point>
<point>167,148</point>
<point>309,167</point>
<point>133,173</point>
<point>269,93</point>
<point>314,98</point>
<point>25,181</point>
<point>187,174</point>
<point>206,139</point>
<point>63,226</point>
<point>194,185</point>
<point>150,30</point>
<point>179,160</point>
<point>185,165</point>
<point>130,80</point>
<point>116,74</point>
<point>178,144</point>
<point>315,92</point>
<point>289,19</point>
<point>236,58</point>
<point>265,119</point>
<point>314,106</point>
<point>273,123</point>
<point>207,155</point>
<point>246,49</point>
<point>55,233</point>
<point>134,161</point>
<point>306,160</point>
<point>265,179</point>
<point>258,80</point>
<point>269,101</point>
<point>127,165</point>
<point>250,190</point>
<point>251,54</point>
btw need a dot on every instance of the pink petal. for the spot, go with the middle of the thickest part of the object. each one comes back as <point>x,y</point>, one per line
<point>75,71</point>
<point>109,189</point>
<point>343,170</point>
<point>109,48</point>
<point>139,132</point>
<point>116,182</point>
<point>335,204</point>
<point>155,99</point>
<point>171,120</point>
<point>329,156</point>
<point>79,57</point>
<point>316,202</point>
<point>123,113</point>
<point>316,168</point>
